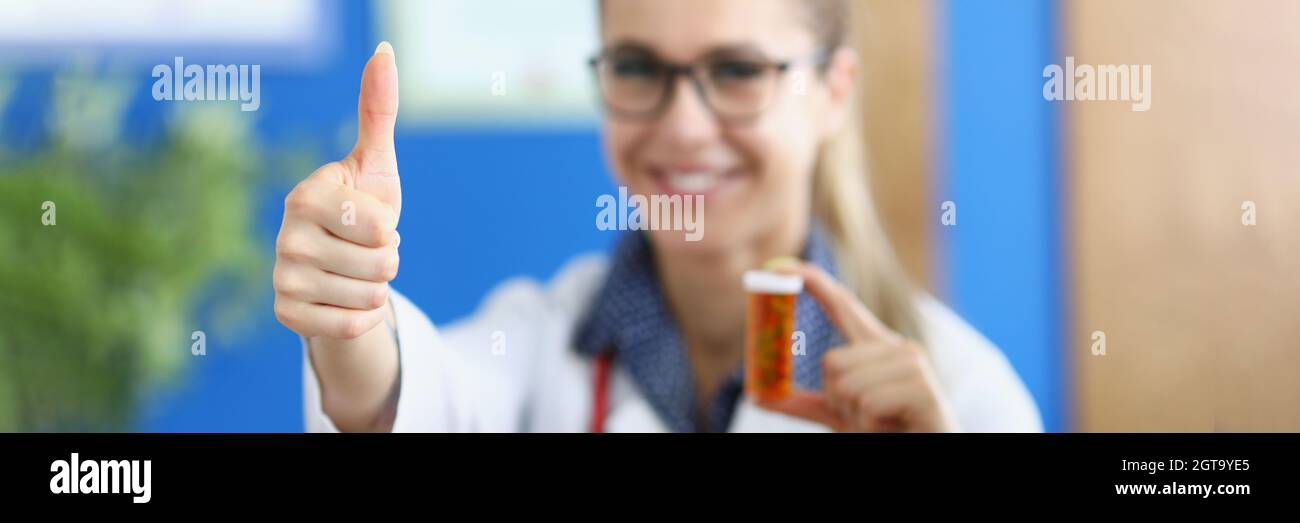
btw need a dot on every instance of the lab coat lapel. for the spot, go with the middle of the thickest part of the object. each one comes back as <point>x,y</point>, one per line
<point>633,413</point>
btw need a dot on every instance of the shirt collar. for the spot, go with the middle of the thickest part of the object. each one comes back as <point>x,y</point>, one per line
<point>630,317</point>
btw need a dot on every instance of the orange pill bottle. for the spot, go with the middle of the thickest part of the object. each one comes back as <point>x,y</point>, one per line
<point>769,329</point>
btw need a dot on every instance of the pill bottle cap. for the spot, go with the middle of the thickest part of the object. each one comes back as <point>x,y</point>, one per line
<point>768,282</point>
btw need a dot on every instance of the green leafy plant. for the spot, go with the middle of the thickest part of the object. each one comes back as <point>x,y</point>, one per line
<point>99,306</point>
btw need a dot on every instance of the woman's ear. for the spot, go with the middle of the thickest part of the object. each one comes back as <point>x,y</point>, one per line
<point>841,87</point>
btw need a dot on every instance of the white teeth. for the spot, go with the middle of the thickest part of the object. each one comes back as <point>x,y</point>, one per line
<point>693,182</point>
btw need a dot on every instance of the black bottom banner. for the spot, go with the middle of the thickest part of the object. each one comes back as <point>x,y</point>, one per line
<point>138,472</point>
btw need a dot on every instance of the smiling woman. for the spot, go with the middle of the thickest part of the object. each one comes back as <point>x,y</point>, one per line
<point>800,135</point>
<point>746,105</point>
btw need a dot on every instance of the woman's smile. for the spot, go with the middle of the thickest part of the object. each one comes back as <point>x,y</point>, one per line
<point>696,179</point>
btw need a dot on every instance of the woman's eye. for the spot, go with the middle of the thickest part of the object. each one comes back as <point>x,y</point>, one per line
<point>636,68</point>
<point>734,71</point>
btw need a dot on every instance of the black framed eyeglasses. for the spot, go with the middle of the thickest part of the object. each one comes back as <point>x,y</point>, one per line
<point>635,84</point>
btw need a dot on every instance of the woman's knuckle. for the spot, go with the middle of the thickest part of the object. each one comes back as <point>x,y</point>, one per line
<point>299,201</point>
<point>378,296</point>
<point>350,327</point>
<point>291,245</point>
<point>282,312</point>
<point>388,266</point>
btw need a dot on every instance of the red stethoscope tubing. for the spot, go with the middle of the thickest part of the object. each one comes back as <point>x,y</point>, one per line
<point>600,406</point>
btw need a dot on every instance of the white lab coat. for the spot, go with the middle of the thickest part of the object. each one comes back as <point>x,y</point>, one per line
<point>452,379</point>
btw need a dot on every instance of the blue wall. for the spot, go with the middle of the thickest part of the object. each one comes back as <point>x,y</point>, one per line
<point>1002,265</point>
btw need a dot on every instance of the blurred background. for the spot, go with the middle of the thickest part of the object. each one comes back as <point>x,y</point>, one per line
<point>1073,219</point>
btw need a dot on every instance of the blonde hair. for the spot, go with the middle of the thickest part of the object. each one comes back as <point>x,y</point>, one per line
<point>867,264</point>
<point>842,202</point>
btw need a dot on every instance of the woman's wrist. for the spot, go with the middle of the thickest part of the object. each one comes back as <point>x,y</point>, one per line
<point>359,378</point>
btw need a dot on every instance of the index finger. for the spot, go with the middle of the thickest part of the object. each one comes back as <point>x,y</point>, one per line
<point>845,309</point>
<point>350,214</point>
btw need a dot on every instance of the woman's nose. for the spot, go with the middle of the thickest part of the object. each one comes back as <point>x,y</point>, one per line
<point>688,119</point>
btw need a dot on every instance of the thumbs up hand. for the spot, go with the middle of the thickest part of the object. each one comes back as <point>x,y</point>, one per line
<point>337,248</point>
